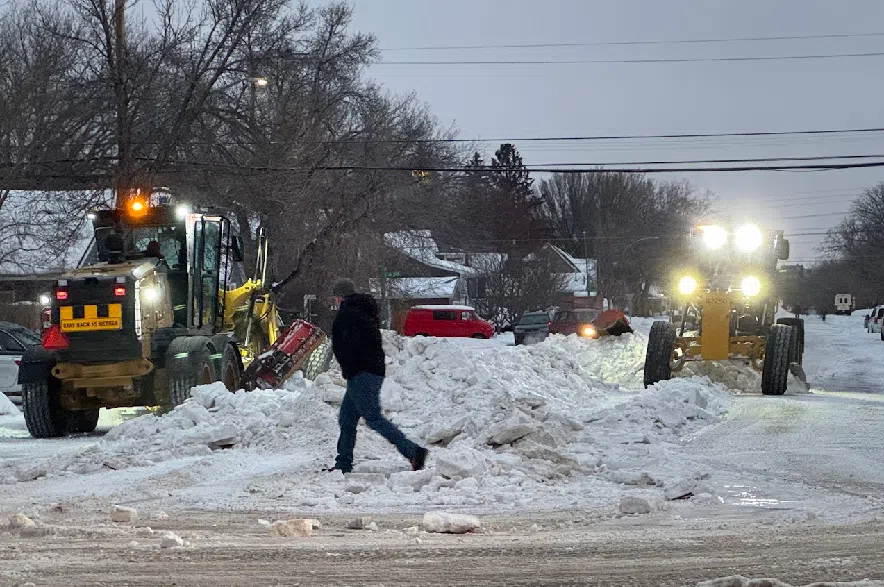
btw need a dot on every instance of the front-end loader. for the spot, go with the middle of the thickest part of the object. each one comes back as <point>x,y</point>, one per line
<point>160,303</point>
<point>726,292</point>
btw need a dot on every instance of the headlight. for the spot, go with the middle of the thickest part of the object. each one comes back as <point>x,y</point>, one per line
<point>750,286</point>
<point>589,331</point>
<point>748,238</point>
<point>687,285</point>
<point>150,294</point>
<point>714,236</point>
<point>181,211</point>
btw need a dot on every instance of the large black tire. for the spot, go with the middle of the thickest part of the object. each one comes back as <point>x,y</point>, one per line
<point>661,343</point>
<point>198,369</point>
<point>231,368</point>
<point>80,421</point>
<point>797,325</point>
<point>41,405</point>
<point>777,356</point>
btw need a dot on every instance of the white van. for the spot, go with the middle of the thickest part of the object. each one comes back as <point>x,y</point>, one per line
<point>877,318</point>
<point>843,304</point>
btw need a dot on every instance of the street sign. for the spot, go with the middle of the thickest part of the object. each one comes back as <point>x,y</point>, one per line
<point>389,274</point>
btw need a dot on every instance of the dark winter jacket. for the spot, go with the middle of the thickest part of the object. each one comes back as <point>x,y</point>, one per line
<point>356,336</point>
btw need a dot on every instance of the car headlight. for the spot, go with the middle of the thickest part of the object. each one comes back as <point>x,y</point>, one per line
<point>748,238</point>
<point>714,236</point>
<point>589,331</point>
<point>750,286</point>
<point>687,285</point>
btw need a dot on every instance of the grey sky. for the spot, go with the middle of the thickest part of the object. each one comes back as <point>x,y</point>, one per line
<point>544,100</point>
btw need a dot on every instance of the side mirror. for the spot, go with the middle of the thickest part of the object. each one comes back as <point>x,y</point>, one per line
<point>236,249</point>
<point>783,250</point>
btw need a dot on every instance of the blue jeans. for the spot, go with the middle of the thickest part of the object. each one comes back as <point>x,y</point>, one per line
<point>363,399</point>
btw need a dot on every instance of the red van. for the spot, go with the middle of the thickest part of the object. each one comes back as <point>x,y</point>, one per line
<point>449,321</point>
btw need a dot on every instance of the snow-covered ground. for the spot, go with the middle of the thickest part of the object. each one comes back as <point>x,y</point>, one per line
<point>559,425</point>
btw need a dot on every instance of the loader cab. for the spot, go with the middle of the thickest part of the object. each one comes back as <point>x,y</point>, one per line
<point>194,249</point>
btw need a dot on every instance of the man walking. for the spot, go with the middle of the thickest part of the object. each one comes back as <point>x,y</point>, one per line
<point>357,345</point>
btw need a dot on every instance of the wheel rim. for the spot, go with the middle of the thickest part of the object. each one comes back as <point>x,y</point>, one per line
<point>205,374</point>
<point>231,378</point>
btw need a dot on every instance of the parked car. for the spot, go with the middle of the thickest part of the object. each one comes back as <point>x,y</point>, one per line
<point>14,340</point>
<point>449,321</point>
<point>877,318</point>
<point>532,327</point>
<point>588,323</point>
<point>579,322</point>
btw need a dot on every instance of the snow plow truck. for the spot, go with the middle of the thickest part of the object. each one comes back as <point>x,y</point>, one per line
<point>726,289</point>
<point>159,303</point>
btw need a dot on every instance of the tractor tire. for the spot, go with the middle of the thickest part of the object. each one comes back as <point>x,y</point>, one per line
<point>318,361</point>
<point>199,370</point>
<point>42,409</point>
<point>777,357</point>
<point>797,325</point>
<point>231,368</point>
<point>661,343</point>
<point>80,421</point>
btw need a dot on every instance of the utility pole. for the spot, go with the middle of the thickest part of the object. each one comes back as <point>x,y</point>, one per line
<point>121,90</point>
<point>586,263</point>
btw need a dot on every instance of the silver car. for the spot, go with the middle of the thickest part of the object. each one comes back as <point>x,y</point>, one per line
<point>14,340</point>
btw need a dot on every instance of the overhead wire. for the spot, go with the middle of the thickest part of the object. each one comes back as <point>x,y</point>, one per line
<point>637,42</point>
<point>650,60</point>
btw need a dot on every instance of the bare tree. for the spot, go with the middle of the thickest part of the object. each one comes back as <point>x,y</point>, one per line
<point>630,223</point>
<point>514,286</point>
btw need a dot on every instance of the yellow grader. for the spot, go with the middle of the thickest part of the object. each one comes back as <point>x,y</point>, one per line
<point>726,295</point>
<point>160,303</point>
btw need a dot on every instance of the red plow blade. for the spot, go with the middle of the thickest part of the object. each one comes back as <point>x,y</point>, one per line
<point>289,354</point>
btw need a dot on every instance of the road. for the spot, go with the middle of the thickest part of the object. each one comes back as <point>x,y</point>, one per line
<point>802,478</point>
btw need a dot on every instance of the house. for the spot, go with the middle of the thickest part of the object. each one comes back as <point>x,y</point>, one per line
<point>417,271</point>
<point>577,277</point>
<point>28,266</point>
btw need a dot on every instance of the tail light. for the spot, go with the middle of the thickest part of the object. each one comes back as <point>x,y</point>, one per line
<point>46,319</point>
<point>18,362</point>
<point>120,291</point>
<point>54,339</point>
<point>876,320</point>
<point>61,294</point>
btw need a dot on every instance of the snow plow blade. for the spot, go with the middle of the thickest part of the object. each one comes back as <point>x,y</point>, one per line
<point>289,354</point>
<point>612,322</point>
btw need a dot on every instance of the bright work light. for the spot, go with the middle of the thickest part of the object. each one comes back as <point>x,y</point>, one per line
<point>750,286</point>
<point>687,285</point>
<point>714,236</point>
<point>748,238</point>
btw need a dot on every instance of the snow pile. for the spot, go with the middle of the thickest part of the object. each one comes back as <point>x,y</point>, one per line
<point>511,426</point>
<point>7,408</point>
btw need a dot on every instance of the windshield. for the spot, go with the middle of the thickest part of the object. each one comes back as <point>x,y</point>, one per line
<point>587,315</point>
<point>528,319</point>
<point>26,337</point>
<point>170,243</point>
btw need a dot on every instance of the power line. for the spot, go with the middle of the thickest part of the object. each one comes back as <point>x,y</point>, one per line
<point>523,139</point>
<point>651,42</point>
<point>645,60</point>
<point>697,161</point>
<point>567,170</point>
